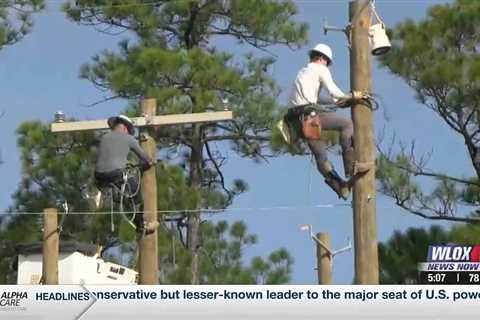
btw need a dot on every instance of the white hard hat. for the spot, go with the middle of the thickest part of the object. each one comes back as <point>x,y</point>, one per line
<point>325,50</point>
<point>112,122</point>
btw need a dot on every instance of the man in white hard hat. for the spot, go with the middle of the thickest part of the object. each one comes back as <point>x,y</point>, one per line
<point>112,159</point>
<point>306,110</point>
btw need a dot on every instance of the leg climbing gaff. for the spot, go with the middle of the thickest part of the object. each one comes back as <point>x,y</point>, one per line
<point>307,122</point>
<point>133,194</point>
<point>122,186</point>
<point>332,179</point>
<point>344,126</point>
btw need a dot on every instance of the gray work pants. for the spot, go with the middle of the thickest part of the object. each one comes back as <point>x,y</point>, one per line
<point>331,121</point>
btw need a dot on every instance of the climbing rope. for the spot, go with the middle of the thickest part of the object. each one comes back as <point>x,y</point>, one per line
<point>370,101</point>
<point>125,193</point>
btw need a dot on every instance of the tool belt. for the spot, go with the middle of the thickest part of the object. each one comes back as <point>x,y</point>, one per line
<point>104,179</point>
<point>311,126</point>
<point>304,121</point>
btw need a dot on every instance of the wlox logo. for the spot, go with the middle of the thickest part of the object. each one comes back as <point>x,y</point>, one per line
<point>448,253</point>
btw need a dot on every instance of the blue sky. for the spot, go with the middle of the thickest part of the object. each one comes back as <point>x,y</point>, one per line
<point>40,75</point>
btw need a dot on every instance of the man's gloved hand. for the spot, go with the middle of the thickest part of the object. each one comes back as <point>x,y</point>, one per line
<point>351,99</point>
<point>357,95</point>
<point>344,103</point>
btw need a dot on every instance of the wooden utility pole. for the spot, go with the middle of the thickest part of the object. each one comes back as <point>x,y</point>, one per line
<point>364,207</point>
<point>324,259</point>
<point>149,242</point>
<point>194,219</point>
<point>50,247</point>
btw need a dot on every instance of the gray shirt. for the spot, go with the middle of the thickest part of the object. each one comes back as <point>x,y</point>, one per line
<point>113,151</point>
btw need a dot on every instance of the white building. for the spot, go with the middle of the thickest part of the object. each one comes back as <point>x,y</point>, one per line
<point>77,263</point>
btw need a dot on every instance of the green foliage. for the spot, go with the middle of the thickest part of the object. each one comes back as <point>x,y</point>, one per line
<point>395,178</point>
<point>438,58</point>
<point>171,55</point>
<point>175,192</point>
<point>13,231</point>
<point>222,254</point>
<point>400,255</point>
<point>15,19</point>
<point>54,168</point>
<point>440,52</point>
<point>174,59</point>
<point>190,23</point>
<point>57,167</point>
<point>469,234</point>
<point>471,193</point>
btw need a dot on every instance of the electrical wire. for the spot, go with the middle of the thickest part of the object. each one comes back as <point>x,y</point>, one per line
<point>324,206</point>
<point>154,3</point>
<point>120,5</point>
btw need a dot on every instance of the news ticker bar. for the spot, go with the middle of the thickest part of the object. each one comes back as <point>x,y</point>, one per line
<point>239,302</point>
<point>451,277</point>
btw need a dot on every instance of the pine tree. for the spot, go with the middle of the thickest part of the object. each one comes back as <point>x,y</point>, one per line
<point>438,58</point>
<point>172,56</point>
<point>59,167</point>
<point>16,20</point>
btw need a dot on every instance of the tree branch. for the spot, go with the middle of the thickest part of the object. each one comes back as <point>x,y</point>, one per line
<point>420,170</point>
<point>416,212</point>
<point>220,174</point>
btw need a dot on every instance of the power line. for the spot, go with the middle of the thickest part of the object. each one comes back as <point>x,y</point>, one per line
<point>57,9</point>
<point>139,4</point>
<point>155,3</point>
<point>206,211</point>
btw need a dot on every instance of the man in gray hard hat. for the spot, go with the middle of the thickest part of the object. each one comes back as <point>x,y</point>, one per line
<point>112,159</point>
<point>307,116</point>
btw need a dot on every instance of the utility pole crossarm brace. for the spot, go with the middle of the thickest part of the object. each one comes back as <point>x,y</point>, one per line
<point>324,246</point>
<point>170,119</point>
<point>342,250</point>
<point>331,253</point>
<point>324,254</point>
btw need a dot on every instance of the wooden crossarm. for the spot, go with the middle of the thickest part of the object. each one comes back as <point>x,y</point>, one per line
<point>142,121</point>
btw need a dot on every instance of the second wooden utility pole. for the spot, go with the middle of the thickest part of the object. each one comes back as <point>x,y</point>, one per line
<point>50,247</point>
<point>364,207</point>
<point>149,242</point>
<point>324,259</point>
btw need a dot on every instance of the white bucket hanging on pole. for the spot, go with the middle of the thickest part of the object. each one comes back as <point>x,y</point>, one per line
<point>379,42</point>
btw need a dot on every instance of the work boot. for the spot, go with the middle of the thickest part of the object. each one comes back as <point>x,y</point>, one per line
<point>348,156</point>
<point>338,185</point>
